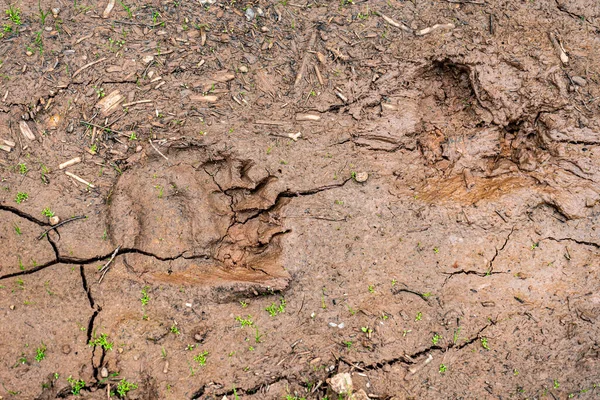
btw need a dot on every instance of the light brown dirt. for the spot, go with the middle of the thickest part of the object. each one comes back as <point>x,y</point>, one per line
<point>465,266</point>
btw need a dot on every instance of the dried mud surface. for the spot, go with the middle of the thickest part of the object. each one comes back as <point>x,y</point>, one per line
<point>227,146</point>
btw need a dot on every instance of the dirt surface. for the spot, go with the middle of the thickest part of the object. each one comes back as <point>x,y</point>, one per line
<point>280,192</point>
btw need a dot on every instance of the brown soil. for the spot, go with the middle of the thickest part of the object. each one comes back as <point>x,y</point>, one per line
<point>465,266</point>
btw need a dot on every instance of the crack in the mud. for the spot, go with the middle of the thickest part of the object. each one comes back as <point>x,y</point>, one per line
<point>22,214</point>
<point>582,242</point>
<point>498,250</point>
<point>86,261</point>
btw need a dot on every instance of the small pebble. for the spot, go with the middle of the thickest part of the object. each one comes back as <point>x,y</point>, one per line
<point>342,325</point>
<point>138,149</point>
<point>250,14</point>
<point>579,81</point>
<point>136,357</point>
<point>104,372</point>
<point>243,69</point>
<point>188,305</point>
<point>260,12</point>
<point>166,367</point>
<point>333,324</point>
<point>361,177</point>
<point>48,28</point>
<point>12,307</point>
<point>197,337</point>
<point>54,220</point>
<point>264,29</point>
<point>55,12</point>
<point>29,53</point>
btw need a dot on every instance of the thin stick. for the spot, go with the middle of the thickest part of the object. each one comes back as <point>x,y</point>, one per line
<point>137,102</point>
<point>87,66</point>
<point>158,151</point>
<point>61,223</point>
<point>105,269</point>
<point>78,179</point>
<point>102,127</point>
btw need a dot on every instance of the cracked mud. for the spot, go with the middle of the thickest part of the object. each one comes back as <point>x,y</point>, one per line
<point>280,196</point>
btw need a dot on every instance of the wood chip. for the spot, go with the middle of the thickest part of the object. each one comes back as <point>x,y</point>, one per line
<point>395,24</point>
<point>133,103</point>
<point>108,9</point>
<point>110,103</point>
<point>307,117</point>
<point>9,143</point>
<point>78,179</point>
<point>204,99</point>
<point>5,148</point>
<point>72,161</point>
<point>26,130</point>
<point>434,28</point>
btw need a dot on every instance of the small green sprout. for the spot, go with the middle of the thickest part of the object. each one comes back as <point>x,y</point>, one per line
<point>21,197</point>
<point>101,341</point>
<point>443,368</point>
<point>22,168</point>
<point>484,343</point>
<point>245,322</point>
<point>419,316</point>
<point>40,353</point>
<point>436,338</point>
<point>201,358</point>
<point>76,385</point>
<point>125,387</point>
<point>175,329</point>
<point>275,309</point>
<point>47,212</point>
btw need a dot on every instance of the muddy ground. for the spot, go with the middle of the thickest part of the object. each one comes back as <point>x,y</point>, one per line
<point>279,192</point>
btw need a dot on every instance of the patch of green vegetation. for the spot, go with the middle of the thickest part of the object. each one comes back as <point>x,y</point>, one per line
<point>443,368</point>
<point>127,9</point>
<point>22,168</point>
<point>275,309</point>
<point>21,197</point>
<point>175,329</point>
<point>257,336</point>
<point>484,343</point>
<point>125,387</point>
<point>419,316</point>
<point>40,353</point>
<point>76,385</point>
<point>17,229</point>
<point>102,341</point>
<point>436,338</point>
<point>14,14</point>
<point>201,358</point>
<point>47,212</point>
<point>39,42</point>
<point>145,298</point>
<point>43,15</point>
<point>371,288</point>
<point>245,322</point>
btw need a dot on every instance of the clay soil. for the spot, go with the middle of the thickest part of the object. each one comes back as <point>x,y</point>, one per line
<point>279,192</point>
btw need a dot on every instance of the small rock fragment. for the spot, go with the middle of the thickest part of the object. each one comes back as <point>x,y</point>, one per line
<point>54,220</point>
<point>166,367</point>
<point>26,130</point>
<point>264,29</point>
<point>104,372</point>
<point>243,69</point>
<point>579,81</point>
<point>333,324</point>
<point>250,14</point>
<point>341,325</point>
<point>341,383</point>
<point>361,177</point>
<point>12,307</point>
<point>55,12</point>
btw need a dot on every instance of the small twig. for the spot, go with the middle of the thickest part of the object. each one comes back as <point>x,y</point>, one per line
<point>106,267</point>
<point>157,150</point>
<point>87,66</point>
<point>104,128</point>
<point>79,179</point>
<point>60,224</point>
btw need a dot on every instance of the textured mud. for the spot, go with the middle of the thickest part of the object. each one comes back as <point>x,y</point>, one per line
<point>228,179</point>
